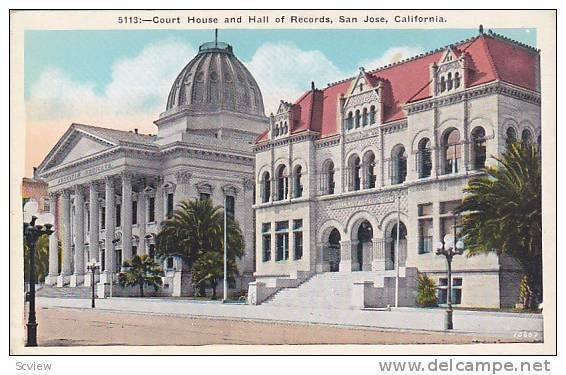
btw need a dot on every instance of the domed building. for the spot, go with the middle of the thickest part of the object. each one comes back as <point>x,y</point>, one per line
<point>111,189</point>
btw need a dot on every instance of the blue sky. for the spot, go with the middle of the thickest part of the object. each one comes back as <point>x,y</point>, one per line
<point>88,55</point>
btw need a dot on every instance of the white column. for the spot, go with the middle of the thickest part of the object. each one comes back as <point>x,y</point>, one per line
<point>94,231</point>
<point>64,277</point>
<point>110,224</point>
<point>126,216</point>
<point>78,276</point>
<point>51,278</point>
<point>142,199</point>
<point>159,201</point>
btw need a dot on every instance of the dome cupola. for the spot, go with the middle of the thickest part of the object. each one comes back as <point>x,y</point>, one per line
<point>213,81</point>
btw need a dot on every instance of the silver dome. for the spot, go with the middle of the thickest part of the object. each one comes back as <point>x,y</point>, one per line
<point>215,80</point>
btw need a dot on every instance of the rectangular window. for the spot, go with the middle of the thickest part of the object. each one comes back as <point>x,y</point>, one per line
<point>118,215</point>
<point>118,264</point>
<point>169,205</point>
<point>266,241</point>
<point>102,217</point>
<point>45,204</point>
<point>425,209</point>
<point>298,239</point>
<point>230,206</point>
<point>134,251</point>
<point>170,263</point>
<point>204,196</point>
<point>425,236</point>
<point>442,291</point>
<point>448,207</point>
<point>151,206</point>
<point>134,212</point>
<point>282,240</point>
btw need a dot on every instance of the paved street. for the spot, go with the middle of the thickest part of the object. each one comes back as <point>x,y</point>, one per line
<point>73,327</point>
<point>470,324</point>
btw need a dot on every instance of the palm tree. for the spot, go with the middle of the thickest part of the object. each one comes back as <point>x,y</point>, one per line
<point>195,233</point>
<point>141,270</point>
<point>503,213</point>
<point>41,258</point>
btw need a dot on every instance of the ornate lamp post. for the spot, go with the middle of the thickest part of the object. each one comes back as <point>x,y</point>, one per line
<point>93,266</point>
<point>449,247</point>
<point>35,225</point>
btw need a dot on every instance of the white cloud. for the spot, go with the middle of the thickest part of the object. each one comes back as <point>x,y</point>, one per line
<point>390,56</point>
<point>139,84</point>
<point>283,71</point>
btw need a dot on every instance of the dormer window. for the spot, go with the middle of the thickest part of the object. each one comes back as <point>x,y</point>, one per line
<point>372,114</point>
<point>357,118</point>
<point>442,84</point>
<point>456,80</point>
<point>449,82</point>
<point>350,121</point>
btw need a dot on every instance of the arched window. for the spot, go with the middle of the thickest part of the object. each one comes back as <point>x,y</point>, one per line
<point>328,178</point>
<point>456,80</point>
<point>424,159</point>
<point>449,82</point>
<point>527,136</point>
<point>354,169</point>
<point>265,187</point>
<point>372,115</point>
<point>511,135</point>
<point>297,182</point>
<point>276,131</point>
<point>478,147</point>
<point>282,183</point>
<point>357,118</point>
<point>442,84</point>
<point>393,240</point>
<point>350,121</point>
<point>452,151</point>
<point>369,170</point>
<point>285,128</point>
<point>398,165</point>
<point>365,117</point>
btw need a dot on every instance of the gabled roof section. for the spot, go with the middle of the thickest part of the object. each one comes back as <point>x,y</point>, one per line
<point>95,139</point>
<point>490,57</point>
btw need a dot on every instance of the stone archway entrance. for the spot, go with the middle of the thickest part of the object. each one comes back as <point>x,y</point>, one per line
<point>392,242</point>
<point>364,247</point>
<point>332,250</point>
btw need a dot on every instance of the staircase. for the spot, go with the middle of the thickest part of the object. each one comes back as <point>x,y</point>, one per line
<point>329,290</point>
<point>65,292</point>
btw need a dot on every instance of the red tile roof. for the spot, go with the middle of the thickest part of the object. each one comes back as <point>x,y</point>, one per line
<point>491,58</point>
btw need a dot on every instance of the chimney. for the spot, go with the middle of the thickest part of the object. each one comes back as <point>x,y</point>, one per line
<point>312,86</point>
<point>34,172</point>
<point>136,130</point>
<point>481,30</point>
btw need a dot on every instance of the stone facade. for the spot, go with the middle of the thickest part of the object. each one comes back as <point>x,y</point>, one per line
<point>350,186</point>
<point>116,187</point>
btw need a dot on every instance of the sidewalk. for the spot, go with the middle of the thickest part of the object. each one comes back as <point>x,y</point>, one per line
<point>501,324</point>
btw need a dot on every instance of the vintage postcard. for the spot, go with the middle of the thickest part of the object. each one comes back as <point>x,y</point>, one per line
<point>283,182</point>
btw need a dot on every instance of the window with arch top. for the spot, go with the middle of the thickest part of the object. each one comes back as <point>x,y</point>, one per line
<point>365,117</point>
<point>350,121</point>
<point>265,187</point>
<point>452,150</point>
<point>526,136</point>
<point>297,182</point>
<point>478,147</point>
<point>424,158</point>
<point>369,170</point>
<point>354,167</point>
<point>398,165</point>
<point>357,119</point>
<point>327,183</point>
<point>372,115</point>
<point>282,183</point>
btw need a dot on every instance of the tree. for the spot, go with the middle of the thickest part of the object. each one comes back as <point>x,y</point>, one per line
<point>41,258</point>
<point>503,213</point>
<point>426,291</point>
<point>195,233</point>
<point>141,270</point>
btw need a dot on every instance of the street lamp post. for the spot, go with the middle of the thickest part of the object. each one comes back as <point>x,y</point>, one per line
<point>450,247</point>
<point>93,267</point>
<point>35,226</point>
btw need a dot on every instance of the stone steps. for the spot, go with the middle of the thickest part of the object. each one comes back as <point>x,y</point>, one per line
<point>330,290</point>
<point>65,292</point>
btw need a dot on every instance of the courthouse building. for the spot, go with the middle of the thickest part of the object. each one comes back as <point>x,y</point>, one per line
<point>339,167</point>
<point>114,188</point>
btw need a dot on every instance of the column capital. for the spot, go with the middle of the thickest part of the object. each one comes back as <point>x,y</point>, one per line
<point>109,180</point>
<point>183,177</point>
<point>78,189</point>
<point>127,176</point>
<point>230,190</point>
<point>66,193</point>
<point>54,194</point>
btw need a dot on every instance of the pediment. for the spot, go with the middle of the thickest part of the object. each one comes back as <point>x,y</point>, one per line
<point>74,145</point>
<point>361,84</point>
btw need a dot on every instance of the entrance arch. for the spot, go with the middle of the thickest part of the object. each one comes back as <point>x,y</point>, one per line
<point>332,250</point>
<point>364,247</point>
<point>392,242</point>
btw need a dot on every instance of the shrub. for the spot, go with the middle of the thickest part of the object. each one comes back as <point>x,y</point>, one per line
<point>426,291</point>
